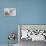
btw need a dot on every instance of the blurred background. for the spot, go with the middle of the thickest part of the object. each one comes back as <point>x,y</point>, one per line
<point>27,12</point>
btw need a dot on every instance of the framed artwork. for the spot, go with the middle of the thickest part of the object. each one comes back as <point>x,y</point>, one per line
<point>9,11</point>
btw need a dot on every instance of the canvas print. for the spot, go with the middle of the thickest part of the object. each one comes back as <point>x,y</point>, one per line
<point>9,11</point>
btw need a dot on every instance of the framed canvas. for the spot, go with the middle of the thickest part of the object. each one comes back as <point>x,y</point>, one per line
<point>9,11</point>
